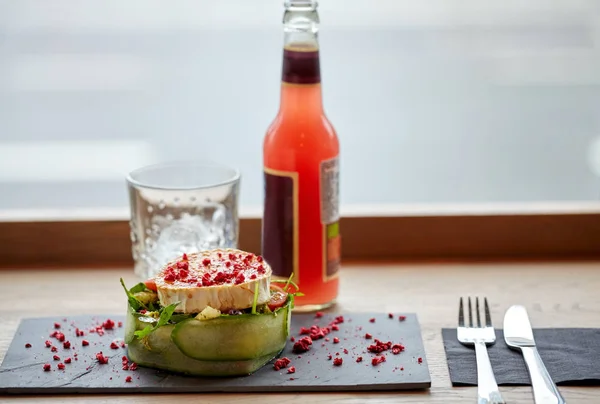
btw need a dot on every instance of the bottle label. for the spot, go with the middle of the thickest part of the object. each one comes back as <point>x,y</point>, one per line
<point>330,216</point>
<point>280,222</point>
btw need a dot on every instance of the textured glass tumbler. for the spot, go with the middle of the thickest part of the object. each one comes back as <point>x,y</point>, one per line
<point>181,207</point>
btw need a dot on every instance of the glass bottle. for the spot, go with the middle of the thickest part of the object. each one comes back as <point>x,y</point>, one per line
<point>301,170</point>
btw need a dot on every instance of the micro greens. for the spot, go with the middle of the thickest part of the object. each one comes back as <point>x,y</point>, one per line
<point>255,300</point>
<point>133,302</point>
<point>165,316</point>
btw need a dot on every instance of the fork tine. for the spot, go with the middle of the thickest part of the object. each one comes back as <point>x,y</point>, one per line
<point>461,316</point>
<point>477,311</point>
<point>488,318</point>
<point>470,313</point>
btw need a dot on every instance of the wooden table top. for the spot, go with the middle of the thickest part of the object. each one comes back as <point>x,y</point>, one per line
<point>555,294</point>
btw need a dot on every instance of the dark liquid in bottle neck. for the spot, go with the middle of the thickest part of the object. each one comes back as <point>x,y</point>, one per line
<point>301,66</point>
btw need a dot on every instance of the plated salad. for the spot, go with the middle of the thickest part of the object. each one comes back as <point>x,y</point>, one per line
<point>211,313</point>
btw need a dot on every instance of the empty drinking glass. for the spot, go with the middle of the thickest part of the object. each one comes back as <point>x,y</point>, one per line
<point>181,207</point>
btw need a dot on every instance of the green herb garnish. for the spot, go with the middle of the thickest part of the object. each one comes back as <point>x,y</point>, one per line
<point>133,302</point>
<point>255,300</point>
<point>165,316</point>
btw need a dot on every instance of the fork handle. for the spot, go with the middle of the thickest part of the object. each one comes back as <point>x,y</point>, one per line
<point>544,389</point>
<point>487,389</point>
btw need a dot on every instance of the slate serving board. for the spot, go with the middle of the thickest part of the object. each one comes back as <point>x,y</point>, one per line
<point>22,369</point>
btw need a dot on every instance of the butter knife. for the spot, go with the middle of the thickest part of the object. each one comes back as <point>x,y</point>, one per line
<point>519,335</point>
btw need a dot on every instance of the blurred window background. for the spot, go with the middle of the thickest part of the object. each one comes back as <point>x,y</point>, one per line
<point>435,102</point>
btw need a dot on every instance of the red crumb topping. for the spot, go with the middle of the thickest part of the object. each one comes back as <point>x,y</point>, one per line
<point>56,325</point>
<point>302,345</point>
<point>371,320</point>
<point>318,314</point>
<point>53,349</point>
<point>85,342</point>
<point>281,363</point>
<point>47,367</point>
<point>101,358</point>
<point>56,357</point>
<point>67,360</point>
<point>48,344</point>
<point>61,366</point>
<point>66,345</point>
<point>128,379</point>
<point>401,318</point>
<point>291,369</point>
<point>420,360</point>
<point>336,340</point>
<point>359,359</point>
<point>379,346</point>
<point>108,324</point>
<point>397,348</point>
<point>114,345</point>
<point>216,269</point>
<point>338,361</point>
<point>390,315</point>
<point>377,360</point>
<point>368,336</point>
<point>28,345</point>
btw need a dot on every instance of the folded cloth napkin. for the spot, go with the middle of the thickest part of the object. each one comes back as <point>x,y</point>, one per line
<point>571,355</point>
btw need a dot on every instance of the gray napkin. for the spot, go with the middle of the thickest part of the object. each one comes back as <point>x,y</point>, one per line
<point>571,355</point>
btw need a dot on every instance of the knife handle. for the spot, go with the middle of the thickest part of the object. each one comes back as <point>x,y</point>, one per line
<point>544,389</point>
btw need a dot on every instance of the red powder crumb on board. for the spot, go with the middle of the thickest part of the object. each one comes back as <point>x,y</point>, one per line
<point>67,360</point>
<point>336,340</point>
<point>401,318</point>
<point>114,345</point>
<point>397,348</point>
<point>302,345</point>
<point>368,336</point>
<point>120,324</point>
<point>28,345</point>
<point>329,357</point>
<point>56,325</point>
<point>53,349</point>
<point>108,324</point>
<point>292,339</point>
<point>48,344</point>
<point>377,360</point>
<point>85,342</point>
<point>128,379</point>
<point>338,361</point>
<point>379,346</point>
<point>420,360</point>
<point>345,351</point>
<point>61,366</point>
<point>281,363</point>
<point>56,357</point>
<point>47,367</point>
<point>101,358</point>
<point>318,314</point>
<point>66,345</point>
<point>371,320</point>
<point>390,315</point>
<point>292,369</point>
<point>359,359</point>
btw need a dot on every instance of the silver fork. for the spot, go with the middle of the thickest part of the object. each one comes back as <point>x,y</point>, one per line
<point>480,336</point>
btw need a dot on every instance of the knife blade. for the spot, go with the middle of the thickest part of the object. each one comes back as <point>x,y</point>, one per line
<point>518,334</point>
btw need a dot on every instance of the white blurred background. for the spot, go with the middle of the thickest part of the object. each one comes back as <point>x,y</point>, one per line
<point>435,102</point>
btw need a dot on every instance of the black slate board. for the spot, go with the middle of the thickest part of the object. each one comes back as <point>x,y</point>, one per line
<point>22,369</point>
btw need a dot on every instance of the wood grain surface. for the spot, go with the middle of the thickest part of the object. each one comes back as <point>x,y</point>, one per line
<point>557,294</point>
